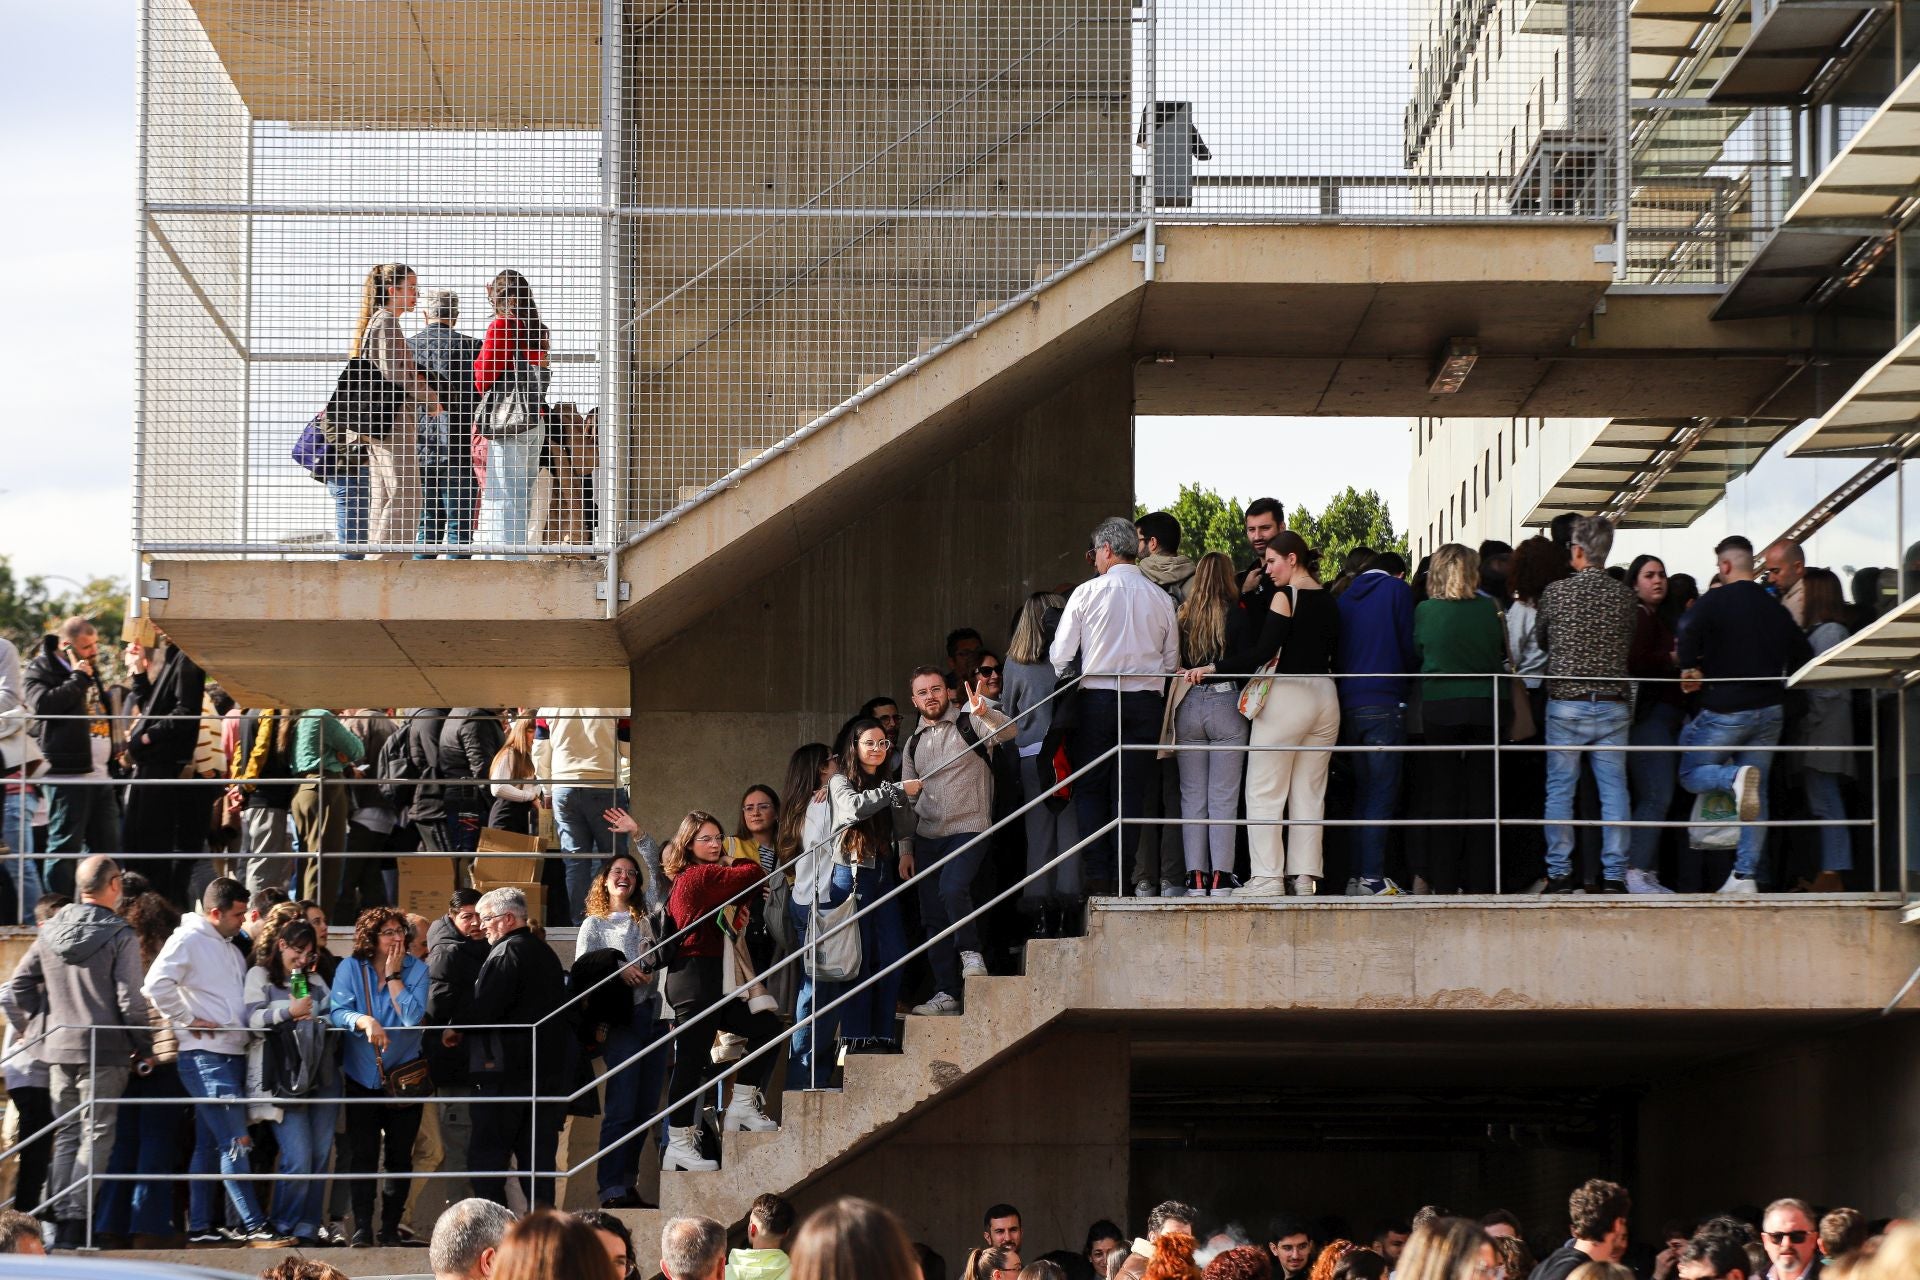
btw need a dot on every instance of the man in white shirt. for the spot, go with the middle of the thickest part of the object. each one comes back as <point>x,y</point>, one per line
<point>1117,622</point>
<point>198,982</point>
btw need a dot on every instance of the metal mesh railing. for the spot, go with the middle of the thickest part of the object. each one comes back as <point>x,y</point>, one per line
<point>735,220</point>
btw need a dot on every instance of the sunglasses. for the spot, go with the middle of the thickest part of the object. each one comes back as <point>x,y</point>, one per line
<point>989,673</point>
<point>1785,1237</point>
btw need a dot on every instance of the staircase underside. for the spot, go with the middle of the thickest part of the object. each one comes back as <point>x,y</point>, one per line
<point>1301,320</point>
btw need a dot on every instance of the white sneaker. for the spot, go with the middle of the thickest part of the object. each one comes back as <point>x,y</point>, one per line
<point>683,1153</point>
<point>1172,889</point>
<point>972,965</point>
<point>1746,791</point>
<point>1353,889</point>
<point>1262,887</point>
<point>1735,884</point>
<point>743,1114</point>
<point>1305,886</point>
<point>1639,881</point>
<point>941,1006</point>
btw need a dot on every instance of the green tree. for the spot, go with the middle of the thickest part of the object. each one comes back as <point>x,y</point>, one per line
<point>1208,522</point>
<point>1350,519</point>
<point>28,610</point>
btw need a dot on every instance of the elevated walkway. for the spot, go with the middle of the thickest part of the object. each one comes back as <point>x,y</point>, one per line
<point>1608,990</point>
<point>1317,319</point>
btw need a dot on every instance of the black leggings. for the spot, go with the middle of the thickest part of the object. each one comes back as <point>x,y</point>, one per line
<point>367,1126</point>
<point>692,985</point>
<point>1458,784</point>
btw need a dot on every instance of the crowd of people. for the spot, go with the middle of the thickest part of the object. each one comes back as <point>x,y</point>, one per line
<point>810,918</point>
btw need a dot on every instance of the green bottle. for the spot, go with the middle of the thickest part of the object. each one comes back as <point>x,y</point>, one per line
<point>297,984</point>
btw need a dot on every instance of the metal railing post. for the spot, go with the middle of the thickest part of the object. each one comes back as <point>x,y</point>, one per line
<point>1499,814</point>
<point>89,1098</point>
<point>1119,794</point>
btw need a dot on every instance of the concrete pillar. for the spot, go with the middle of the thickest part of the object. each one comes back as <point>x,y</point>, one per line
<point>797,651</point>
<point>1045,1131</point>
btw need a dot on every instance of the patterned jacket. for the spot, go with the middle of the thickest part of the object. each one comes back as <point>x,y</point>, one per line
<point>1586,625</point>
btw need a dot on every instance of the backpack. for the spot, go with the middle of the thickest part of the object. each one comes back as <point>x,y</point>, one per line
<point>964,723</point>
<point>395,767</point>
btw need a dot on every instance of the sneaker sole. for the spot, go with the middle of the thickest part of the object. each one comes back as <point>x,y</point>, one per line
<point>1749,797</point>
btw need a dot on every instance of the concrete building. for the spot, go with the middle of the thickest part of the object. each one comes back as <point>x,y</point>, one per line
<point>866,298</point>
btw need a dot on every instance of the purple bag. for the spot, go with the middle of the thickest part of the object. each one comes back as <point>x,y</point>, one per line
<point>314,452</point>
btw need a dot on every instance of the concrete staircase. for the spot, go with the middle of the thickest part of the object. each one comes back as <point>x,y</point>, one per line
<point>881,1091</point>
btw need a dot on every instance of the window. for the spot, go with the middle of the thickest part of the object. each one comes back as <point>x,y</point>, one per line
<point>1486,473</point>
<point>1499,458</point>
<point>1476,488</point>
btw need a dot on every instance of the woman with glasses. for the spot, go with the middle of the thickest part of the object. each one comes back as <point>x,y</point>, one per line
<point>703,1000</point>
<point>379,997</point>
<point>804,844</point>
<point>292,1062</point>
<point>871,815</point>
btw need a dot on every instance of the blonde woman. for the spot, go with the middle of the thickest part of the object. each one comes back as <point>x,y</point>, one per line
<point>1051,903</point>
<point>1212,624</point>
<point>394,499</point>
<point>1301,709</point>
<point>511,775</point>
<point>1460,640</point>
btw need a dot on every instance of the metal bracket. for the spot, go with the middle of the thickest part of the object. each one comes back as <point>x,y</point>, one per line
<point>1159,253</point>
<point>600,591</point>
<point>154,589</point>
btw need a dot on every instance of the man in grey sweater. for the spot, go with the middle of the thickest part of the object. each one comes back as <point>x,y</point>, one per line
<point>83,971</point>
<point>949,755</point>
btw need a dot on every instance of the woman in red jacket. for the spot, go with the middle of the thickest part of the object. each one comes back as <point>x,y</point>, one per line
<point>515,337</point>
<point>697,979</point>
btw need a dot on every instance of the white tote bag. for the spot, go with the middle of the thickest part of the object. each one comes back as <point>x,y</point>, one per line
<point>833,953</point>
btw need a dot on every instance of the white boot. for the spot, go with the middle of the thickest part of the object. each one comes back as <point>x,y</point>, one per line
<point>743,1114</point>
<point>683,1152</point>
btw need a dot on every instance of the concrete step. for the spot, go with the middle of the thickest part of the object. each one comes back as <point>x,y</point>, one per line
<point>354,1262</point>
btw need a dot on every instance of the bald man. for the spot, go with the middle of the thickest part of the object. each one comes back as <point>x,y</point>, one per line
<point>83,970</point>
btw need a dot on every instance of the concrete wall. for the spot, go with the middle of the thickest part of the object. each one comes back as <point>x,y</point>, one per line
<point>1834,1120</point>
<point>1045,1131</point>
<point>799,650</point>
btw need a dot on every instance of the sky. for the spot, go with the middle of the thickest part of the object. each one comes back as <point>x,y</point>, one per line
<point>1301,461</point>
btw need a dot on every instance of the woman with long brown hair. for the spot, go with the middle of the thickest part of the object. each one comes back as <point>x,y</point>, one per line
<point>1295,707</point>
<point>871,814</point>
<point>1827,723</point>
<point>1051,902</point>
<point>547,1245</point>
<point>695,983</point>
<point>380,997</point>
<point>853,1239</point>
<point>1212,624</point>
<point>515,346</point>
<point>394,496</point>
<point>511,771</point>
<point>307,1089</point>
<point>804,843</point>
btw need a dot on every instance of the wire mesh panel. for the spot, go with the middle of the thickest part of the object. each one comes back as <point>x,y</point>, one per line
<point>731,219</point>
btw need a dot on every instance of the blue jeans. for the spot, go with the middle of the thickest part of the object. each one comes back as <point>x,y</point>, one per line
<point>1652,774</point>
<point>1579,723</point>
<point>1719,734</point>
<point>350,509</point>
<point>807,1069</point>
<point>1376,779</point>
<point>147,1140</point>
<point>305,1134</point>
<point>506,497</point>
<point>449,494</point>
<point>632,1096</point>
<point>16,832</point>
<point>221,1135</point>
<point>1826,801</point>
<point>579,813</point>
<point>946,895</point>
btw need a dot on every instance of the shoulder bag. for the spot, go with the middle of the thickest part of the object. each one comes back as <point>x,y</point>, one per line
<point>405,1084</point>
<point>834,956</point>
<point>365,401</point>
<point>514,403</point>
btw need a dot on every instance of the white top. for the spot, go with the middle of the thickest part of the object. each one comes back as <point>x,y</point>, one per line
<point>813,865</point>
<point>199,974</point>
<point>1119,621</point>
<point>1523,641</point>
<point>506,787</point>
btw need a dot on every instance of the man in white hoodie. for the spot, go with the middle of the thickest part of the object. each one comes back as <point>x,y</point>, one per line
<point>198,982</point>
<point>576,755</point>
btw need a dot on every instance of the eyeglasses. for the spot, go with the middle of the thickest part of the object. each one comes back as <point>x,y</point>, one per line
<point>882,745</point>
<point>1785,1237</point>
<point>393,933</point>
<point>498,915</point>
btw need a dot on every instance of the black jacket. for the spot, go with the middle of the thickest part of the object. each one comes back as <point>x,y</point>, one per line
<point>1559,1264</point>
<point>422,728</point>
<point>274,764</point>
<point>54,690</point>
<point>162,741</point>
<point>453,965</point>
<point>521,982</point>
<point>468,741</point>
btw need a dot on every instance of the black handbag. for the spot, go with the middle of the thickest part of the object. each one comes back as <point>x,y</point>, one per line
<point>365,401</point>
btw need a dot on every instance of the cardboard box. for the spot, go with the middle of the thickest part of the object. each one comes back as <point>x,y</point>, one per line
<point>536,895</point>
<point>514,870</point>
<point>426,884</point>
